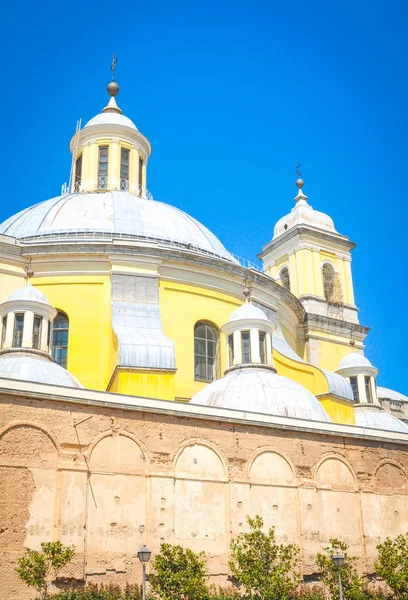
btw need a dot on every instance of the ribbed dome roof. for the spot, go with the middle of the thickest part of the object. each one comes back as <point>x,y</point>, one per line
<point>82,215</point>
<point>28,367</point>
<point>111,115</point>
<point>303,214</point>
<point>376,418</point>
<point>354,359</point>
<point>388,394</point>
<point>262,391</point>
<point>111,118</point>
<point>28,292</point>
<point>248,311</point>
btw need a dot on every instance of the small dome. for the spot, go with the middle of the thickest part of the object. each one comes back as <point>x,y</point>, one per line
<point>28,292</point>
<point>386,394</point>
<point>354,359</point>
<point>262,391</point>
<point>111,118</point>
<point>303,214</point>
<point>248,311</point>
<point>378,419</point>
<point>28,367</point>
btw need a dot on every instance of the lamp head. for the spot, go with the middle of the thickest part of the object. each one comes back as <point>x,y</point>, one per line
<point>144,554</point>
<point>338,560</point>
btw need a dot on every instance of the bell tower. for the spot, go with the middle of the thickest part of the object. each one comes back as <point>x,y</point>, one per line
<point>309,258</point>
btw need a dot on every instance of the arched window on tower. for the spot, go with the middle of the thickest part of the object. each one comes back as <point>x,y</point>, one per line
<point>206,351</point>
<point>78,173</point>
<point>59,347</point>
<point>329,276</point>
<point>285,279</point>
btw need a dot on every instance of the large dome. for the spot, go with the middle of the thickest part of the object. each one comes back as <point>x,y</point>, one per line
<point>83,216</point>
<point>262,391</point>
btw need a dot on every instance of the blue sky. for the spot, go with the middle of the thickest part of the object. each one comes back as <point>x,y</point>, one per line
<point>232,95</point>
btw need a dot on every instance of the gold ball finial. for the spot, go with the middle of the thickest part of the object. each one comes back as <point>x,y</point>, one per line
<point>299,183</point>
<point>113,88</point>
<point>247,292</point>
<point>29,272</point>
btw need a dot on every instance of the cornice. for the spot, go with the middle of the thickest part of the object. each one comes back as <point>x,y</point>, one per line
<point>316,234</point>
<point>102,400</point>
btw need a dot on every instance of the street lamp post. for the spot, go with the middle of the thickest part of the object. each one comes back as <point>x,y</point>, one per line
<point>144,555</point>
<point>338,560</point>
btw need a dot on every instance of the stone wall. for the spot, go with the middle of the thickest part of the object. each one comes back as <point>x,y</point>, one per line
<point>110,479</point>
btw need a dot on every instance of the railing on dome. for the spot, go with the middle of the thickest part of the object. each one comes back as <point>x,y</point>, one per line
<point>101,236</point>
<point>247,264</point>
<point>142,192</point>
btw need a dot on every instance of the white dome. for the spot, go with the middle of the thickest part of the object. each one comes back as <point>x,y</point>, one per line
<point>303,214</point>
<point>248,311</point>
<point>111,118</point>
<point>387,394</point>
<point>354,359</point>
<point>378,419</point>
<point>81,216</point>
<point>28,292</point>
<point>262,391</point>
<point>28,367</point>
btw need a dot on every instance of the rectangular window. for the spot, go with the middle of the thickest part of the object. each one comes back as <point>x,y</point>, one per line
<point>78,173</point>
<point>368,389</point>
<point>124,168</point>
<point>246,347</point>
<point>262,347</point>
<point>354,387</point>
<point>103,167</point>
<point>18,330</point>
<point>231,349</point>
<point>37,332</point>
<point>3,331</point>
<point>140,175</point>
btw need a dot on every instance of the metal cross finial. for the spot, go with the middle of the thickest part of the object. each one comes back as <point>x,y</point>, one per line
<point>113,66</point>
<point>298,173</point>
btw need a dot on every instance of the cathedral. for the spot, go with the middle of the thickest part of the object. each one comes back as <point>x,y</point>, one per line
<point>154,388</point>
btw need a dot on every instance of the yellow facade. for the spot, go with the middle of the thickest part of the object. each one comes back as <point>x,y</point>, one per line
<point>338,409</point>
<point>148,384</point>
<point>87,302</point>
<point>305,272</point>
<point>93,352</point>
<point>181,307</point>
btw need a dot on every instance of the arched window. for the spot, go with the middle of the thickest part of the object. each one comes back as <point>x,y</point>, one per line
<point>206,351</point>
<point>285,279</point>
<point>59,348</point>
<point>3,331</point>
<point>328,282</point>
<point>18,330</point>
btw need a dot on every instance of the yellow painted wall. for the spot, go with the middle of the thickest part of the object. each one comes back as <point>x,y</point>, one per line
<point>339,410</point>
<point>149,384</point>
<point>181,307</point>
<point>11,280</point>
<point>87,302</point>
<point>331,353</point>
<point>308,376</point>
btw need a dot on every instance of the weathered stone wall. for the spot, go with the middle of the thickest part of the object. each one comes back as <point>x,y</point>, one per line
<point>109,480</point>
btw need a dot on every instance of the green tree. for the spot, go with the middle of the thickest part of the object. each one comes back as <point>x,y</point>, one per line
<point>179,574</point>
<point>392,565</point>
<point>266,570</point>
<point>39,569</point>
<point>354,587</point>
